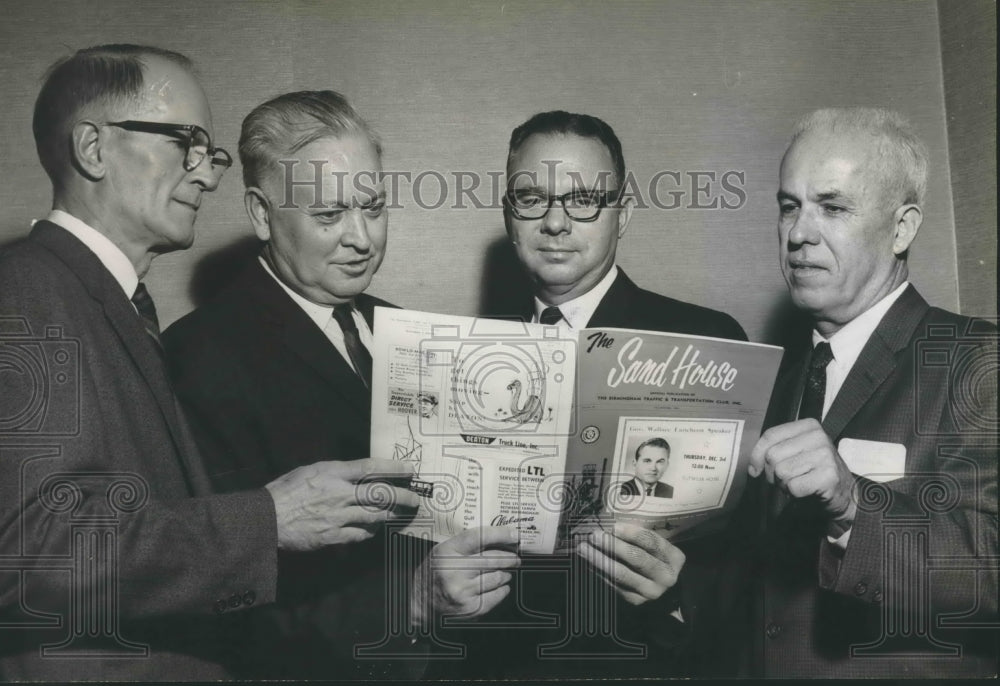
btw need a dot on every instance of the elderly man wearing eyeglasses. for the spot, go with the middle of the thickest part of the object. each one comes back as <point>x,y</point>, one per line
<point>115,556</point>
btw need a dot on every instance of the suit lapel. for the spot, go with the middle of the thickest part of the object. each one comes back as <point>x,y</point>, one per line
<point>615,308</point>
<point>125,322</point>
<point>287,322</point>
<point>876,361</point>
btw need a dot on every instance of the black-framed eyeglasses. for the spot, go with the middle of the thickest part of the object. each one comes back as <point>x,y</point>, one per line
<point>581,205</point>
<point>198,142</point>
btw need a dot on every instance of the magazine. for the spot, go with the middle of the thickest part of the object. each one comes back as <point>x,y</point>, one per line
<point>511,423</point>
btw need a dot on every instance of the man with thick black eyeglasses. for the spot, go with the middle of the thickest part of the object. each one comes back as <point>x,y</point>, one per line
<point>197,142</point>
<point>115,556</point>
<point>565,213</point>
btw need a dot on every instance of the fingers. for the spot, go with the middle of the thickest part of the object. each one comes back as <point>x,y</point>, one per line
<point>355,470</point>
<point>790,470</point>
<point>660,550</point>
<point>489,581</point>
<point>469,566</point>
<point>479,605</point>
<point>474,541</point>
<point>351,534</point>
<point>359,515</point>
<point>623,579</point>
<point>462,591</point>
<point>638,562</point>
<point>775,435</point>
<point>367,468</point>
<point>384,496</point>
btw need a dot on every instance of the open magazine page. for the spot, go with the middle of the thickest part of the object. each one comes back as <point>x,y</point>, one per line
<point>483,408</point>
<point>666,426</point>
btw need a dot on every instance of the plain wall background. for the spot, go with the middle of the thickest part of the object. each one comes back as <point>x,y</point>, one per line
<point>688,86</point>
<point>969,60</point>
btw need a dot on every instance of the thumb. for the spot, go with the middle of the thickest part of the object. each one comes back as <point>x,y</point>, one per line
<point>474,541</point>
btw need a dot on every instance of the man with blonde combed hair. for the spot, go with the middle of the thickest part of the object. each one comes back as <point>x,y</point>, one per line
<point>863,572</point>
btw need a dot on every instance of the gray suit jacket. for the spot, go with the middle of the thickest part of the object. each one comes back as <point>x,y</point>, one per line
<point>916,589</point>
<point>101,482</point>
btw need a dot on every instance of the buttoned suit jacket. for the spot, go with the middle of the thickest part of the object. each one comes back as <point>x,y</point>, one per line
<point>511,650</point>
<point>268,392</point>
<point>661,490</point>
<point>103,492</point>
<point>918,578</point>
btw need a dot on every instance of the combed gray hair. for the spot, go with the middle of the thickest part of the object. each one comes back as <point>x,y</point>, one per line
<point>109,76</point>
<point>900,156</point>
<point>284,125</point>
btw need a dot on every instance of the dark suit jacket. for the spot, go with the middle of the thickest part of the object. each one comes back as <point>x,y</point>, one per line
<point>626,306</point>
<point>108,416</point>
<point>927,380</point>
<point>510,651</point>
<point>661,490</point>
<point>268,392</point>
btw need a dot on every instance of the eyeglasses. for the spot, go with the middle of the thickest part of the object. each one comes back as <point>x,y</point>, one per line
<point>583,206</point>
<point>198,142</point>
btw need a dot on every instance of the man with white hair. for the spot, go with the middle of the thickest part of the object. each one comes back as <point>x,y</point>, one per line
<point>880,550</point>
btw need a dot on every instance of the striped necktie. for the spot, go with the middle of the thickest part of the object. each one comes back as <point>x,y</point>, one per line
<point>143,302</point>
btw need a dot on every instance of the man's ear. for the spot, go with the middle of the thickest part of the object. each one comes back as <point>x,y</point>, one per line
<point>906,222</point>
<point>86,150</point>
<point>625,215</point>
<point>257,209</point>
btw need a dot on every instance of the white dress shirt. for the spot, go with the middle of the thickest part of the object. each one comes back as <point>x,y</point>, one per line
<point>578,311</point>
<point>110,255</point>
<point>322,315</point>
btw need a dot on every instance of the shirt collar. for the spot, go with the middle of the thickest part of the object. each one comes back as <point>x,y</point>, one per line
<point>110,255</point>
<point>848,342</point>
<point>318,313</point>
<point>578,311</point>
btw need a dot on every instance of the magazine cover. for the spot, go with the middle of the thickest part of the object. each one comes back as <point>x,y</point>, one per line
<point>667,423</point>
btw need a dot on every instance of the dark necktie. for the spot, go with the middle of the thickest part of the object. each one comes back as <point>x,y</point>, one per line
<point>550,315</point>
<point>147,312</point>
<point>801,522</point>
<point>649,490</point>
<point>360,357</point>
<point>815,390</point>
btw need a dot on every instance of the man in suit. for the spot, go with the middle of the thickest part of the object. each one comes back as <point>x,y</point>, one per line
<point>564,213</point>
<point>652,458</point>
<point>276,373</point>
<point>116,556</point>
<point>880,550</point>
